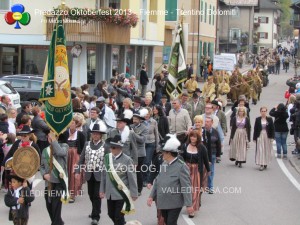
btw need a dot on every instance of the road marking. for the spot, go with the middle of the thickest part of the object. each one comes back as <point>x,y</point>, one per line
<point>188,220</point>
<point>286,171</point>
<point>36,182</point>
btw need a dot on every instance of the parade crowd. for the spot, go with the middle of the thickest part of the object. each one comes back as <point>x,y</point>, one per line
<point>122,140</point>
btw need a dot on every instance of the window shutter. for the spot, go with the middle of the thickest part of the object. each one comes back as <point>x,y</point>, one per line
<point>267,19</point>
<point>266,35</point>
<point>201,11</point>
<point>171,6</point>
<point>259,19</point>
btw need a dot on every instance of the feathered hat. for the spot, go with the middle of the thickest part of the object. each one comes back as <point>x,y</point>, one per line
<point>99,127</point>
<point>126,116</point>
<point>141,114</point>
<point>171,143</point>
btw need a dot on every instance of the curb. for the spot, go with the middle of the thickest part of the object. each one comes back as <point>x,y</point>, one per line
<point>293,164</point>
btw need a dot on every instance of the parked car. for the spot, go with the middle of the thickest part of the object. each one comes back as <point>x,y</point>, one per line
<point>28,86</point>
<point>7,89</point>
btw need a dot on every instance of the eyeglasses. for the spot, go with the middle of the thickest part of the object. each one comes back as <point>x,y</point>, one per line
<point>263,111</point>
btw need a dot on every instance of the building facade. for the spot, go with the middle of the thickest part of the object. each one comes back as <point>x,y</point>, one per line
<point>267,24</point>
<point>104,46</point>
<point>235,27</point>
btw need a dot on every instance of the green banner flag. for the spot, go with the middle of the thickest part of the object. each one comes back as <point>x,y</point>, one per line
<point>56,87</point>
<point>177,67</point>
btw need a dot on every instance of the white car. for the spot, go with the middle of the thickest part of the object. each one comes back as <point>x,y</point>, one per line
<point>7,89</point>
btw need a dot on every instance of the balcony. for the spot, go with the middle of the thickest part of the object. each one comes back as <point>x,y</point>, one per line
<point>91,32</point>
<point>224,40</point>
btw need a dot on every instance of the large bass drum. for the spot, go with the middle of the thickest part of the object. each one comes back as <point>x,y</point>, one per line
<point>26,162</point>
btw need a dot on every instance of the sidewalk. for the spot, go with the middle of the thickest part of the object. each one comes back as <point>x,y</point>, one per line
<point>293,159</point>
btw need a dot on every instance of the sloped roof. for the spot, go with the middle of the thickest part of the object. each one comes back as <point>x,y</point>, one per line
<point>241,2</point>
<point>268,4</point>
<point>296,5</point>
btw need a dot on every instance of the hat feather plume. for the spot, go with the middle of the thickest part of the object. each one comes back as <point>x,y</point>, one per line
<point>172,143</point>
<point>128,114</point>
<point>143,112</point>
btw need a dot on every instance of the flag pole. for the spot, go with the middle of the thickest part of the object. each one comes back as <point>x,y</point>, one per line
<point>62,6</point>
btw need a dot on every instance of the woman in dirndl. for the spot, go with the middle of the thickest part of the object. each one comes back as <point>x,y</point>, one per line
<point>264,133</point>
<point>239,137</point>
<point>76,141</point>
<point>195,155</point>
<point>198,126</point>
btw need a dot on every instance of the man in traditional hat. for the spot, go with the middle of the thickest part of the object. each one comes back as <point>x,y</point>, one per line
<point>137,102</point>
<point>197,106</point>
<point>191,85</point>
<point>118,182</point>
<point>223,90</point>
<point>245,89</point>
<point>91,162</point>
<point>90,122</point>
<point>209,90</point>
<point>166,106</point>
<point>217,110</point>
<point>140,133</point>
<point>54,185</point>
<point>127,135</point>
<point>172,185</point>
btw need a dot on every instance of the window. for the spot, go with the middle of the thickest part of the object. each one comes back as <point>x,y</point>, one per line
<point>235,34</point>
<point>213,16</point>
<point>205,12</point>
<point>36,85</point>
<point>91,64</point>
<point>20,84</point>
<point>201,17</point>
<point>4,4</point>
<point>171,6</point>
<point>115,4</point>
<point>263,35</point>
<point>7,89</point>
<point>153,10</point>
<point>210,14</point>
<point>263,19</point>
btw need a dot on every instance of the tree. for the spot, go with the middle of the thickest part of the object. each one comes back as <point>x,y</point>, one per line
<point>286,16</point>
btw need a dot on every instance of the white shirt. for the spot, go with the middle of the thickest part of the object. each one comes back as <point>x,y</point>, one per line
<point>17,195</point>
<point>172,161</point>
<point>110,117</point>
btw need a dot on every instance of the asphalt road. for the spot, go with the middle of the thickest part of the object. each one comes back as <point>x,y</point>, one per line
<point>244,195</point>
